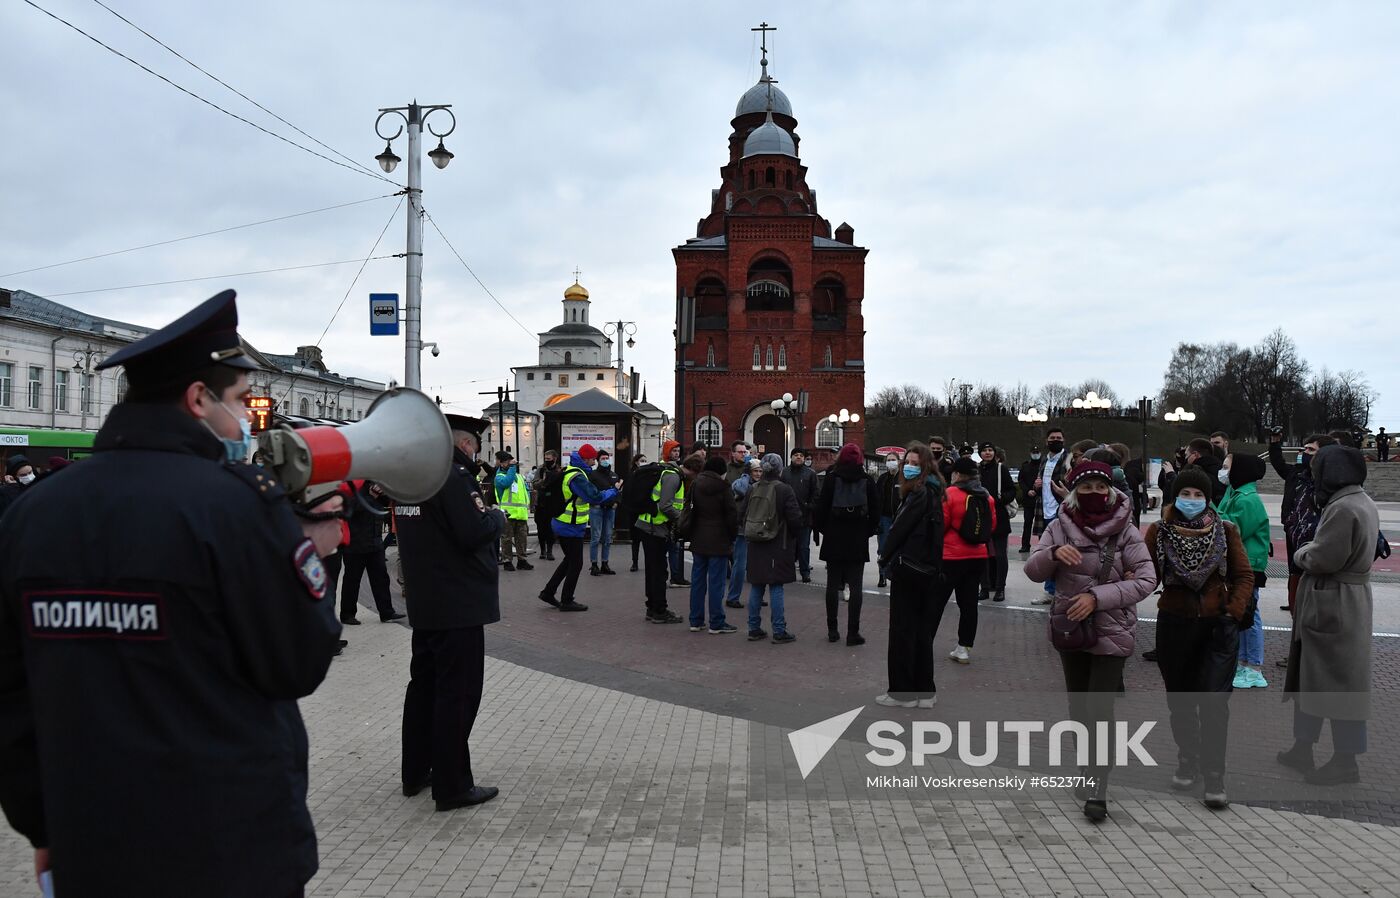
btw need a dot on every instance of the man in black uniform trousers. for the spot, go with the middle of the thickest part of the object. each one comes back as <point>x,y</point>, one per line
<point>449,547</point>
<point>152,655</point>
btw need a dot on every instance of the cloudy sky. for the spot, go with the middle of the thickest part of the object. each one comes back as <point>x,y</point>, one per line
<point>1048,192</point>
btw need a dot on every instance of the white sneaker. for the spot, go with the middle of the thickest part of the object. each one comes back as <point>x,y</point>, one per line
<point>927,702</point>
<point>889,702</point>
<point>960,655</point>
<point>1043,600</point>
<point>845,595</point>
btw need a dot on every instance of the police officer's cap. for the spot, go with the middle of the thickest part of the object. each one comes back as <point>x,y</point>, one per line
<point>473,426</point>
<point>206,335</point>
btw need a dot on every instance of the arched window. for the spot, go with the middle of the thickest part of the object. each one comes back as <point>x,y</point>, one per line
<point>710,355</point>
<point>709,432</point>
<point>782,356</point>
<point>320,410</point>
<point>121,387</point>
<point>770,178</point>
<point>787,180</point>
<point>756,363</point>
<point>827,358</point>
<point>828,436</point>
<point>304,407</point>
<point>568,358</point>
<point>768,357</point>
<point>769,287</point>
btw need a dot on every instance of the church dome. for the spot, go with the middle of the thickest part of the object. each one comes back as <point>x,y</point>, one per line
<point>755,99</point>
<point>576,291</point>
<point>769,139</point>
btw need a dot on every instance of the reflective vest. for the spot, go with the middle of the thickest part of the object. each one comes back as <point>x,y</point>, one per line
<point>655,516</point>
<point>515,501</point>
<point>575,509</point>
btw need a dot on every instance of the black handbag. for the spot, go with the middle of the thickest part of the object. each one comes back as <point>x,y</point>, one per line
<point>1079,636</point>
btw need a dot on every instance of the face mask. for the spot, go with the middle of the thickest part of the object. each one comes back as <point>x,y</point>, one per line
<point>1223,475</point>
<point>1035,456</point>
<point>892,465</point>
<point>605,463</point>
<point>911,472</point>
<point>1190,507</point>
<point>1054,447</point>
<point>234,450</point>
<point>26,479</point>
<point>1093,503</point>
<point>936,453</point>
<point>549,463</point>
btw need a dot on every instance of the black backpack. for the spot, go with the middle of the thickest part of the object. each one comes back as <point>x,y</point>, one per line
<point>848,500</point>
<point>635,499</point>
<point>551,503</point>
<point>976,526</point>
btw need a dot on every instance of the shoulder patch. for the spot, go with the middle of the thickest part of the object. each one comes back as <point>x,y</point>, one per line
<point>480,504</point>
<point>258,480</point>
<point>310,569</point>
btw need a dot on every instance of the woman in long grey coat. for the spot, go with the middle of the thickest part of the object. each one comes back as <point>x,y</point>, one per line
<point>1329,661</point>
<point>773,562</point>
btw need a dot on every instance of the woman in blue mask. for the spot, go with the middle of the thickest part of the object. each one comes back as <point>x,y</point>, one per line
<point>1207,586</point>
<point>913,554</point>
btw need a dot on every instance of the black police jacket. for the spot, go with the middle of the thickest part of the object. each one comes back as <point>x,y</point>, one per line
<point>162,612</point>
<point>449,547</point>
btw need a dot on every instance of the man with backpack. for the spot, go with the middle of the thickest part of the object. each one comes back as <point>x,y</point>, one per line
<point>660,511</point>
<point>970,517</point>
<point>568,508</point>
<point>847,514</point>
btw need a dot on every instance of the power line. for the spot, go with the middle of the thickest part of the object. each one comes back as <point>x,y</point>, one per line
<point>431,221</point>
<point>250,224</point>
<point>240,93</point>
<point>184,90</point>
<point>215,277</point>
<point>368,258</point>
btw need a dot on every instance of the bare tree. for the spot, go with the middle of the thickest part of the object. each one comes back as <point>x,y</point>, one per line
<point>1018,398</point>
<point>1099,386</point>
<point>902,401</point>
<point>1055,395</point>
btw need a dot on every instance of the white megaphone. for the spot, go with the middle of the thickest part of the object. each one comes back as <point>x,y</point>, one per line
<point>404,444</point>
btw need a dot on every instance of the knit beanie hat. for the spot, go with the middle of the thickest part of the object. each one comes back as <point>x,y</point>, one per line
<point>967,466</point>
<point>1191,476</point>
<point>666,448</point>
<point>850,455</point>
<point>14,463</point>
<point>1087,470</point>
<point>772,463</point>
<point>1245,468</point>
<point>587,452</point>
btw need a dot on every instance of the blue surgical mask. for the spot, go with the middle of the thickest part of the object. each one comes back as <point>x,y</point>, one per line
<point>1190,507</point>
<point>911,472</point>
<point>605,463</point>
<point>1223,475</point>
<point>234,450</point>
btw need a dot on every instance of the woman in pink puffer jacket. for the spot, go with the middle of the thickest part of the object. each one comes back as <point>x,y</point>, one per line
<point>1071,552</point>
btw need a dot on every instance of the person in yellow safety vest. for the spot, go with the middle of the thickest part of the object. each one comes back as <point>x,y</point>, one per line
<point>513,498</point>
<point>668,498</point>
<point>570,526</point>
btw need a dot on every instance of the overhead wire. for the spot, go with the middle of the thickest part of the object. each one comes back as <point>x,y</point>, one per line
<point>216,277</point>
<point>358,170</point>
<point>487,290</point>
<point>240,93</point>
<point>132,249</point>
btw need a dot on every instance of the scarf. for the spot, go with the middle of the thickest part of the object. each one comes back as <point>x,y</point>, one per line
<point>1188,552</point>
<point>1085,520</point>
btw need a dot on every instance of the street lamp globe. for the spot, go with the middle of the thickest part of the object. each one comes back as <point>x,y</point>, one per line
<point>631,342</point>
<point>831,417</point>
<point>855,419</point>
<point>440,155</point>
<point>777,405</point>
<point>787,397</point>
<point>387,160</point>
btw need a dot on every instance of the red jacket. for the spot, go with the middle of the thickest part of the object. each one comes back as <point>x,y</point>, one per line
<point>955,548</point>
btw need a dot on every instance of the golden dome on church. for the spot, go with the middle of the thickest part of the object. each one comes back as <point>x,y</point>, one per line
<point>576,291</point>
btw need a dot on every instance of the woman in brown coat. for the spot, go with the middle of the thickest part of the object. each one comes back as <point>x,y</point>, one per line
<point>1206,587</point>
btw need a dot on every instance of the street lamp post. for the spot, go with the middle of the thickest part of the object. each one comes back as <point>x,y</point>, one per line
<point>792,408</point>
<point>621,329</point>
<point>83,360</point>
<point>1091,402</point>
<point>841,419</point>
<point>1179,417</point>
<point>1033,416</point>
<point>414,118</point>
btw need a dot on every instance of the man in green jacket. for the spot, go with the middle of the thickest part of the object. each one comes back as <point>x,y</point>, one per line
<point>1243,508</point>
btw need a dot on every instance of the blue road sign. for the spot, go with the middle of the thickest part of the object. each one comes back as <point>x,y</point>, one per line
<point>384,314</point>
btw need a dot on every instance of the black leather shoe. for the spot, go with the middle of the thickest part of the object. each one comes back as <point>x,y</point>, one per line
<point>882,583</point>
<point>634,569</point>
<point>607,571</point>
<point>549,599</point>
<point>733,603</point>
<point>524,565</point>
<point>806,578</point>
<point>410,791</point>
<point>572,606</point>
<point>855,639</point>
<point>350,622</point>
<point>474,795</point>
<point>1150,655</point>
<point>593,569</point>
<point>833,635</point>
<point>1299,757</point>
<point>390,618</point>
<point>1340,769</point>
<point>1096,810</point>
<point>508,566</point>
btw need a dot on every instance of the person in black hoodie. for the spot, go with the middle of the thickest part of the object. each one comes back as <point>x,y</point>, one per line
<point>996,477</point>
<point>846,514</point>
<point>1299,514</point>
<point>365,553</point>
<point>1201,453</point>
<point>888,488</point>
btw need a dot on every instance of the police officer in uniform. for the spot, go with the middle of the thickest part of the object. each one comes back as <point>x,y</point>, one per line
<point>152,655</point>
<point>449,548</point>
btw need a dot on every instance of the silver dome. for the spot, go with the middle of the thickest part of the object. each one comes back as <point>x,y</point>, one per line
<point>755,99</point>
<point>769,139</point>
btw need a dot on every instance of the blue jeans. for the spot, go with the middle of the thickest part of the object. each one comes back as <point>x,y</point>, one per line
<point>740,569</point>
<point>885,524</point>
<point>804,551</point>
<point>707,576</point>
<point>600,521</point>
<point>775,603</point>
<point>1252,640</point>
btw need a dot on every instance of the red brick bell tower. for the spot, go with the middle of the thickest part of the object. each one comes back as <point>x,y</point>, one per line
<point>778,296</point>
